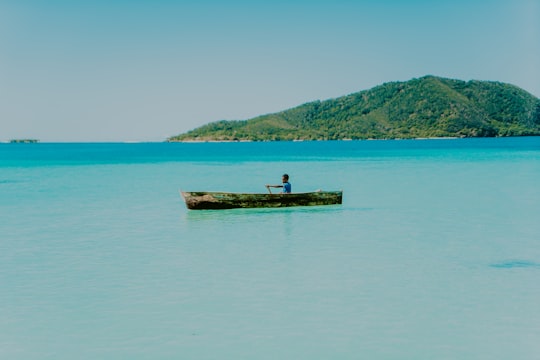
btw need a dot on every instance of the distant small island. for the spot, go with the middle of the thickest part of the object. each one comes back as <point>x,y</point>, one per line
<point>23,141</point>
<point>428,107</point>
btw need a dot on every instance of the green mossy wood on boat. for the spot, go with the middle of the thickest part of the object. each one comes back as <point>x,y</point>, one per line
<point>420,108</point>
<point>202,200</point>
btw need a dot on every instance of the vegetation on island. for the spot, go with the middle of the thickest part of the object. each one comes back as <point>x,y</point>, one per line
<point>420,108</point>
<point>24,141</point>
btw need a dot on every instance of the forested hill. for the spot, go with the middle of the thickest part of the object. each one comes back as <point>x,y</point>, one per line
<point>420,108</point>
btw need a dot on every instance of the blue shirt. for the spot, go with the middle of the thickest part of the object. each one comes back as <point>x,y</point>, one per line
<point>286,187</point>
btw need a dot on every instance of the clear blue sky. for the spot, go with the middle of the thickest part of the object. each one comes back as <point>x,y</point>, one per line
<point>119,70</point>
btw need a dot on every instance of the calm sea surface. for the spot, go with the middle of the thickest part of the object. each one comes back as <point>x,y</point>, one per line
<point>434,254</point>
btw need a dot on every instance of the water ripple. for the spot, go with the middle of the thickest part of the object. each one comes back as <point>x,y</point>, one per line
<point>512,264</point>
<point>9,181</point>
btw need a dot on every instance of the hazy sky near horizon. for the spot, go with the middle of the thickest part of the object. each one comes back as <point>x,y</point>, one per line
<point>144,70</point>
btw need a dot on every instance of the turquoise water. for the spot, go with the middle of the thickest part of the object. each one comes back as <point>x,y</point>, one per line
<point>434,254</point>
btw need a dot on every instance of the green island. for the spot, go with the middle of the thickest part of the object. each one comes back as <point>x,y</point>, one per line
<point>23,141</point>
<point>427,107</point>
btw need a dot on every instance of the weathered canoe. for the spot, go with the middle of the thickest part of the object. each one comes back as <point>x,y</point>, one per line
<point>201,200</point>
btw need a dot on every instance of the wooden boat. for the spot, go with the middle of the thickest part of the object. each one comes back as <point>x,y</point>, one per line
<point>201,200</point>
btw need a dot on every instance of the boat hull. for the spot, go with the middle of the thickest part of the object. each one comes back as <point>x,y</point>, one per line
<point>222,200</point>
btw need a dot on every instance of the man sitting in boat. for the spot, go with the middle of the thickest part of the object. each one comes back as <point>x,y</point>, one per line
<point>286,185</point>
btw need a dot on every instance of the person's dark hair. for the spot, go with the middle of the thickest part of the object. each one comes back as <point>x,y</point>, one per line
<point>286,176</point>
